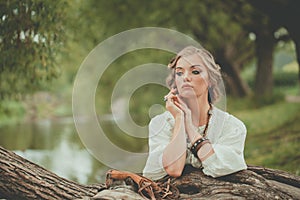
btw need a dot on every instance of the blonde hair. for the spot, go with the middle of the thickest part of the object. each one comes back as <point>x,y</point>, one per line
<point>213,69</point>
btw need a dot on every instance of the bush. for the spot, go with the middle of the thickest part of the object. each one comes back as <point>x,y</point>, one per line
<point>280,79</point>
<point>285,79</point>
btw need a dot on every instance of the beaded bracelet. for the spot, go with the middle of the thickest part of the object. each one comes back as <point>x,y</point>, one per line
<point>196,146</point>
<point>199,147</point>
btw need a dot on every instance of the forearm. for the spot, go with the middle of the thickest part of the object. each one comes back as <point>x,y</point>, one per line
<point>174,154</point>
<point>206,150</point>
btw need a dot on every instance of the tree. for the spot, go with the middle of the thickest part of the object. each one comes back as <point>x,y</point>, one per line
<point>31,35</point>
<point>205,21</point>
<point>264,19</point>
<point>283,13</point>
<point>22,179</point>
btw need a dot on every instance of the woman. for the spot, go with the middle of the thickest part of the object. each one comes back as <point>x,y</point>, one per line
<point>192,130</point>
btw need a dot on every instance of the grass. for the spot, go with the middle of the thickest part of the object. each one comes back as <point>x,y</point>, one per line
<point>273,135</point>
<point>268,118</point>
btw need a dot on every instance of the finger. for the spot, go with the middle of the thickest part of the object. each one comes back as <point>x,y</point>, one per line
<point>174,98</point>
<point>173,91</point>
<point>170,96</point>
<point>182,103</point>
<point>178,105</point>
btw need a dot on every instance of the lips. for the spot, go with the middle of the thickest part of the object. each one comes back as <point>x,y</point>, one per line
<point>186,86</point>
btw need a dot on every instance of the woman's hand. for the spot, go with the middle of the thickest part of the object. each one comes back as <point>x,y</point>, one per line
<point>172,104</point>
<point>174,155</point>
<point>178,108</point>
<point>190,128</point>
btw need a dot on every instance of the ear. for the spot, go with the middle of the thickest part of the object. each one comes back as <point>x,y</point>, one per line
<point>209,84</point>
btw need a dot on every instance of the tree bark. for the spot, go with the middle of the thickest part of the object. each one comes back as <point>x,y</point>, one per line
<point>22,179</point>
<point>265,44</point>
<point>237,86</point>
<point>253,183</point>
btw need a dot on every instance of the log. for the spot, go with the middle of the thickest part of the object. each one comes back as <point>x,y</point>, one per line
<point>253,183</point>
<point>22,179</point>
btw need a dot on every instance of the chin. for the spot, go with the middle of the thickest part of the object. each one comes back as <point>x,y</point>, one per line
<point>187,95</point>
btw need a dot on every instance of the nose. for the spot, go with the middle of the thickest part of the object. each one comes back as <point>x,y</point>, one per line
<point>187,77</point>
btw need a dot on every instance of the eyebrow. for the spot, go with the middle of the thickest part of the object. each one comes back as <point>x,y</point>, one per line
<point>197,65</point>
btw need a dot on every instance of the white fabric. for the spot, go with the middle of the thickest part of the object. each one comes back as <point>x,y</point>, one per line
<point>226,133</point>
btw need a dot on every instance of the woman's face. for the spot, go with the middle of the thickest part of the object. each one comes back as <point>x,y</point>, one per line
<point>191,77</point>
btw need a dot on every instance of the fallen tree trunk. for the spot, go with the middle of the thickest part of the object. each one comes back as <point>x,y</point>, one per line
<point>22,179</point>
<point>253,183</point>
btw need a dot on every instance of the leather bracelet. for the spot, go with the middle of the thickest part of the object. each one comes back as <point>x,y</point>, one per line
<point>199,147</point>
<point>195,147</point>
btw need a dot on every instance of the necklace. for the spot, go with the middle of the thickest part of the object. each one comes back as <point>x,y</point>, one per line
<point>209,114</point>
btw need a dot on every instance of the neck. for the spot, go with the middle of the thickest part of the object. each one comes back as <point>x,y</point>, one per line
<point>199,108</point>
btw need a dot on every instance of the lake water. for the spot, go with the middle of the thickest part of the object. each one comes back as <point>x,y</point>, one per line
<point>55,145</point>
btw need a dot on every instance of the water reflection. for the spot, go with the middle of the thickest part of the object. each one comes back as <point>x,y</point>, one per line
<point>56,146</point>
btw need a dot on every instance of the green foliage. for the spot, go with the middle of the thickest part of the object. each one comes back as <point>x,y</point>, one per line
<point>142,101</point>
<point>285,78</point>
<point>205,21</point>
<point>143,97</point>
<point>11,112</point>
<point>281,78</point>
<point>31,35</point>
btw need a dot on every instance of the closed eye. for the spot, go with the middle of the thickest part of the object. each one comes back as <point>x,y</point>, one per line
<point>179,73</point>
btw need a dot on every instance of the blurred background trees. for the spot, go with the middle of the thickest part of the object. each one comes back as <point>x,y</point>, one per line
<point>33,34</point>
<point>45,41</point>
<point>31,37</point>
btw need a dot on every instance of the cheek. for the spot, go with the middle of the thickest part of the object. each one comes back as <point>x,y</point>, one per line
<point>178,82</point>
<point>202,80</point>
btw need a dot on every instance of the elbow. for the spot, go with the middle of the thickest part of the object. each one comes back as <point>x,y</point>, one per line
<point>174,172</point>
<point>172,168</point>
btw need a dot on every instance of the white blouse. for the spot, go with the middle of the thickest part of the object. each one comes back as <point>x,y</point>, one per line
<point>226,133</point>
